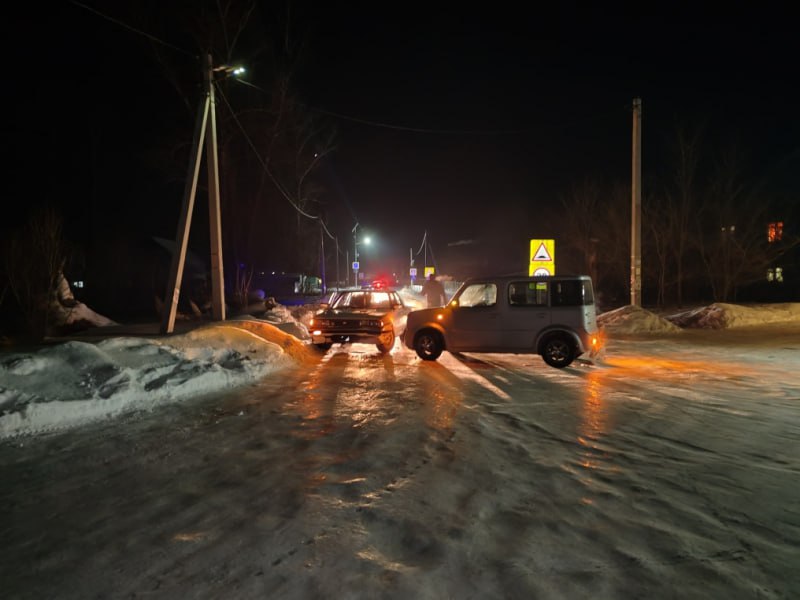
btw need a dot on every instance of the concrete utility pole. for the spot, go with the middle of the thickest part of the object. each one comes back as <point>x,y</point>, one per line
<point>636,206</point>
<point>205,117</point>
<point>214,209</point>
<point>322,257</point>
<point>338,281</point>
<point>355,254</point>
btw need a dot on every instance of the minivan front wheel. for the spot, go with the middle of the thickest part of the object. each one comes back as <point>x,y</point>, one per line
<point>558,351</point>
<point>428,344</point>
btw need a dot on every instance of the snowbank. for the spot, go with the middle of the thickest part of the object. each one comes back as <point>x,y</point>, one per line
<point>636,320</point>
<point>79,316</point>
<point>78,382</point>
<point>723,316</point>
<point>632,320</point>
<point>285,320</point>
<point>69,314</point>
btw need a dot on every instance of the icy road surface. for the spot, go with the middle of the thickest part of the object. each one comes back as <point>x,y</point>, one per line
<point>672,471</point>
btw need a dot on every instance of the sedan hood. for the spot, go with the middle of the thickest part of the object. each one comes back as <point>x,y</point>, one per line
<point>357,313</point>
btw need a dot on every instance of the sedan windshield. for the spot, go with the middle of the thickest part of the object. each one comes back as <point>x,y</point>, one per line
<point>363,300</point>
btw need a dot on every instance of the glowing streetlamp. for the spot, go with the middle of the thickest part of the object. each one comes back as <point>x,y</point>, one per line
<point>367,241</point>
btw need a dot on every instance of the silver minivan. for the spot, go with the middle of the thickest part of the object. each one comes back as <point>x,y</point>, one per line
<point>553,316</point>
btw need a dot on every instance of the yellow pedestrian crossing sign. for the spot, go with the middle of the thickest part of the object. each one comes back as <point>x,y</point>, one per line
<point>543,258</point>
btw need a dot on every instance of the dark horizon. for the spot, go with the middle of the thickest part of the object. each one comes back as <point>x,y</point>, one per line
<point>519,104</point>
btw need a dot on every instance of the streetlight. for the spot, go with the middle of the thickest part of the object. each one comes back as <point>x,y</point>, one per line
<point>367,241</point>
<point>229,70</point>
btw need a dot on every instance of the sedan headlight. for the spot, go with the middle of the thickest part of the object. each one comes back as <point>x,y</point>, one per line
<point>369,323</point>
<point>322,323</point>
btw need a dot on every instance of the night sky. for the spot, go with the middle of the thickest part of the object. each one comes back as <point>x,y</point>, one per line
<point>517,104</point>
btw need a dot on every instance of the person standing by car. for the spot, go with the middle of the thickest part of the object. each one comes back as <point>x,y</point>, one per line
<point>433,290</point>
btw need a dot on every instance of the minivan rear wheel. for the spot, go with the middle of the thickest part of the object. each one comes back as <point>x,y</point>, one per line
<point>558,351</point>
<point>429,344</point>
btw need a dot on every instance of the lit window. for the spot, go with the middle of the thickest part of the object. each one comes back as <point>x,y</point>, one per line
<point>775,231</point>
<point>775,274</point>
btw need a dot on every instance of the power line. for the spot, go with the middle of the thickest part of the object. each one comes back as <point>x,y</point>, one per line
<point>133,29</point>
<point>267,170</point>
<point>379,124</point>
<point>395,127</point>
<point>422,245</point>
<point>418,129</point>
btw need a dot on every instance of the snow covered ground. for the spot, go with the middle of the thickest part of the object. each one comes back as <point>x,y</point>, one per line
<point>671,470</point>
<point>69,384</point>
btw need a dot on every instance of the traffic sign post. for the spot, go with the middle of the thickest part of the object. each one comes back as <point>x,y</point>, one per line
<point>543,258</point>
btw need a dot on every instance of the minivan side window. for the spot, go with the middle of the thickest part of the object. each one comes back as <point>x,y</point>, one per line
<point>478,294</point>
<point>572,293</point>
<point>527,293</point>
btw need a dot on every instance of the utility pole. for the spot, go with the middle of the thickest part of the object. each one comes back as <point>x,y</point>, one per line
<point>214,209</point>
<point>206,120</point>
<point>338,281</point>
<point>425,243</point>
<point>355,255</point>
<point>322,257</point>
<point>636,206</point>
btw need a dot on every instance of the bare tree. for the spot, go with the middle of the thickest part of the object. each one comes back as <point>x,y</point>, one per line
<point>34,260</point>
<point>659,224</point>
<point>615,251</point>
<point>597,226</point>
<point>732,240</point>
<point>271,145</point>
<point>582,204</point>
<point>684,205</point>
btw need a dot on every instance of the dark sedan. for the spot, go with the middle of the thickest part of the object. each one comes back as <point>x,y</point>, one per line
<point>366,316</point>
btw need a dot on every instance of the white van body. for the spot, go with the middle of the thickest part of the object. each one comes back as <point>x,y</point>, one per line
<point>553,316</point>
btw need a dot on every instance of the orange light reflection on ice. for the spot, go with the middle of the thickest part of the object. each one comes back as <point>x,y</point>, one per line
<point>443,410</point>
<point>666,369</point>
<point>594,424</point>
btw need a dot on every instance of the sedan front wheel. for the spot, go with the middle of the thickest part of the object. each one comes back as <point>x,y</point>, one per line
<point>386,341</point>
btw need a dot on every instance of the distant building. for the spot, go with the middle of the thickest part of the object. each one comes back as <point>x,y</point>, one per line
<point>781,280</point>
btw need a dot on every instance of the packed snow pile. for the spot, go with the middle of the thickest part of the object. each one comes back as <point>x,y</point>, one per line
<point>634,319</point>
<point>77,382</point>
<point>723,316</point>
<point>79,316</point>
<point>285,320</point>
<point>70,314</point>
